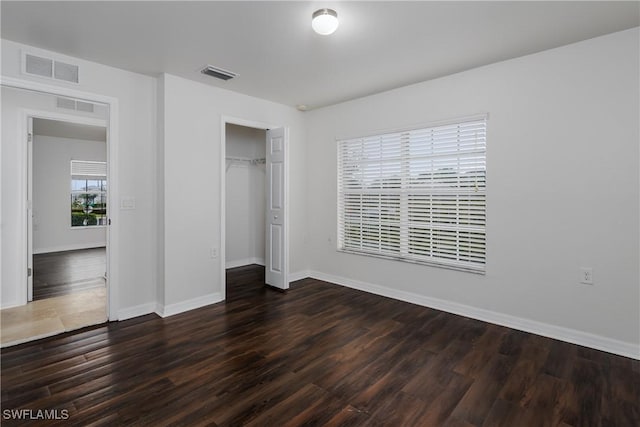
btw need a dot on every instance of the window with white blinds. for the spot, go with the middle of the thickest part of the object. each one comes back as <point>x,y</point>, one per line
<point>417,195</point>
<point>89,169</point>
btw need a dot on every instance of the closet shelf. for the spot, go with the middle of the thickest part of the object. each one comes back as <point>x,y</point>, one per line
<point>232,160</point>
<point>247,159</point>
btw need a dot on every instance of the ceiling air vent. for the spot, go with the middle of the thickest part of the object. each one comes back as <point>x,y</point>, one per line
<point>49,68</point>
<point>219,73</point>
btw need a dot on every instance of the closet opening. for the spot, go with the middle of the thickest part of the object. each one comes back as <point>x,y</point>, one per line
<point>245,196</point>
<point>245,209</point>
<point>254,224</point>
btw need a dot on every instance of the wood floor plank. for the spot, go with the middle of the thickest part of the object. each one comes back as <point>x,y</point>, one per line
<point>505,414</point>
<point>432,378</point>
<point>397,375</point>
<point>291,407</point>
<point>61,273</point>
<point>550,401</point>
<point>525,372</point>
<point>441,406</point>
<point>317,355</point>
<point>477,402</point>
<point>400,410</point>
<point>347,417</point>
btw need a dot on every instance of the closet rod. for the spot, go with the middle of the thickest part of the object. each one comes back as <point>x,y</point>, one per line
<point>231,160</point>
<point>246,159</point>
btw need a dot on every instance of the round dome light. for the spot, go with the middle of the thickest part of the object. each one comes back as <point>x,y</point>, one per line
<point>324,21</point>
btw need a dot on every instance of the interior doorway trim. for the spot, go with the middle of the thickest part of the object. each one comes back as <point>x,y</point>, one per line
<point>223,192</point>
<point>112,164</point>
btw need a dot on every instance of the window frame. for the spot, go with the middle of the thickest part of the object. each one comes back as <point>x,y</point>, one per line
<point>405,194</point>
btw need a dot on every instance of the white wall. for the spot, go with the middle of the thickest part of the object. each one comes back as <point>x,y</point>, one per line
<point>245,197</point>
<point>562,190</point>
<point>52,229</point>
<point>137,259</point>
<point>192,146</point>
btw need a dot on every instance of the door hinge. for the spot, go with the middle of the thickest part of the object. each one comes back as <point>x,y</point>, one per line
<point>109,221</point>
<point>30,137</point>
<point>29,272</point>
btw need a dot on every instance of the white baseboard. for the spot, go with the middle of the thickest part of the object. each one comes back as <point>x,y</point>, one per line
<point>552,331</point>
<point>245,261</point>
<point>9,304</point>
<point>73,247</point>
<point>298,275</point>
<point>191,304</point>
<point>135,311</point>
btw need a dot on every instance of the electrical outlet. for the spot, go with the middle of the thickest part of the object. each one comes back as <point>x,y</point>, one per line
<point>214,252</point>
<point>586,275</point>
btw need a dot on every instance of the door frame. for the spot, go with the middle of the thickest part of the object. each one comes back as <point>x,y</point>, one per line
<point>112,176</point>
<point>223,193</point>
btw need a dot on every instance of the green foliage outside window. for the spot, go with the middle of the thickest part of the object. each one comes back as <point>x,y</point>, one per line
<point>83,220</point>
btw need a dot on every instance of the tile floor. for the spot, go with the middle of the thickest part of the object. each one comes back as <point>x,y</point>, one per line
<point>52,316</point>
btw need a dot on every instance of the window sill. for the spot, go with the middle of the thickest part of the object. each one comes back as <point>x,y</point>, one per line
<point>85,227</point>
<point>413,261</point>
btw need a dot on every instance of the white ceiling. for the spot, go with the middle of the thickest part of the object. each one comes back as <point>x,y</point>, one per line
<point>378,46</point>
<point>60,129</point>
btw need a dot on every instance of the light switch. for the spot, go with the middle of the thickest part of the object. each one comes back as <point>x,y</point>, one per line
<point>128,203</point>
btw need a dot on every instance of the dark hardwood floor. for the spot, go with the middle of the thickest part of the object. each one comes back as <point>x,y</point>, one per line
<point>61,273</point>
<point>320,354</point>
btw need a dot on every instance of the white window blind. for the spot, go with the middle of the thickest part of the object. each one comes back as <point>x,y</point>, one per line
<point>84,169</point>
<point>416,195</point>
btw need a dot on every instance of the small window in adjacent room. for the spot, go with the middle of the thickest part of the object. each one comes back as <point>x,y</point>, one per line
<point>416,195</point>
<point>88,193</point>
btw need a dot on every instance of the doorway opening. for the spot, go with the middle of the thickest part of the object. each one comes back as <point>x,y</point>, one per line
<point>62,236</point>
<point>254,226</point>
<point>245,203</point>
<point>69,193</point>
<point>245,196</point>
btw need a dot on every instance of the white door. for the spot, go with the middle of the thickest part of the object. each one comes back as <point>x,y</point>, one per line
<point>276,268</point>
<point>30,209</point>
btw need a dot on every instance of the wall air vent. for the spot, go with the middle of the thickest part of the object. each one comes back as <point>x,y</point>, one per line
<point>84,106</point>
<point>49,68</point>
<point>66,72</point>
<point>72,104</point>
<point>69,104</point>
<point>219,73</point>
<point>37,66</point>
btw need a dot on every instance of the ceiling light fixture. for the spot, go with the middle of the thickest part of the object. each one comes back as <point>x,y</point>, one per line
<point>324,21</point>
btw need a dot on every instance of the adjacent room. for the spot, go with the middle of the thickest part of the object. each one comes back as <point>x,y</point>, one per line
<point>300,213</point>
